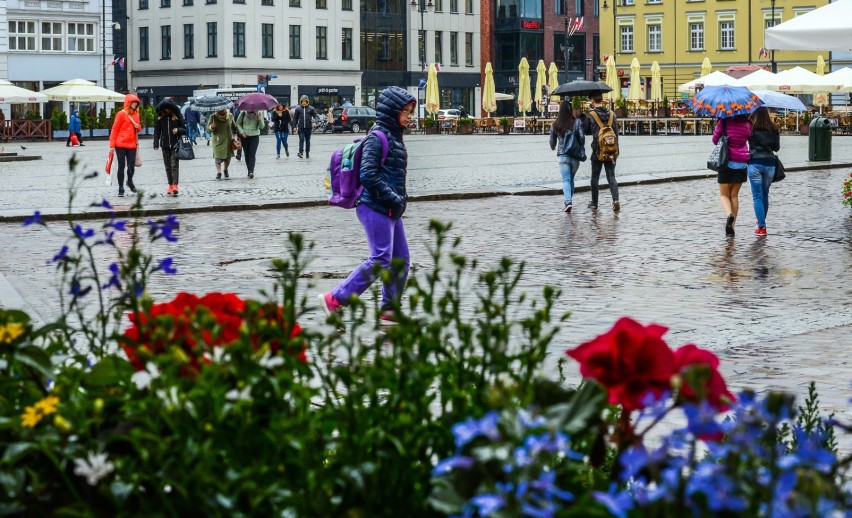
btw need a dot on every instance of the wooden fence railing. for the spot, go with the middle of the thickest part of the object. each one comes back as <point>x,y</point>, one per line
<point>25,129</point>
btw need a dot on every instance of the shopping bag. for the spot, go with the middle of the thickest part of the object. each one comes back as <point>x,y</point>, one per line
<point>184,149</point>
<point>110,158</point>
<point>779,170</point>
<point>138,157</point>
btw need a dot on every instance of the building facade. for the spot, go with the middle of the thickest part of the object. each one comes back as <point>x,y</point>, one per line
<point>679,34</point>
<point>178,46</point>
<point>46,42</point>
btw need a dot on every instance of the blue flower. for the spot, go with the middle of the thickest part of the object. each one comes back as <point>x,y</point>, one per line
<point>465,431</point>
<point>528,421</point>
<point>488,425</point>
<point>701,419</point>
<point>35,219</point>
<point>488,504</point>
<point>115,279</point>
<point>451,463</point>
<point>83,233</point>
<point>809,452</point>
<point>77,290</point>
<point>164,228</point>
<point>120,225</point>
<point>548,511</point>
<point>720,491</point>
<point>166,266</point>
<point>617,503</point>
<point>105,204</point>
<point>62,255</point>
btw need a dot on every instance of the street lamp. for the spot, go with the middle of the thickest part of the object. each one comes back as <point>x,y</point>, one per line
<point>614,9</point>
<point>103,41</point>
<point>572,25</point>
<point>774,64</point>
<point>421,6</point>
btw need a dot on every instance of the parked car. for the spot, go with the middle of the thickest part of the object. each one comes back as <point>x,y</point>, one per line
<point>353,118</point>
<point>449,114</point>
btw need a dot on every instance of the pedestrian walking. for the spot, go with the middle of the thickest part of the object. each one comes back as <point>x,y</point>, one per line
<point>602,119</point>
<point>235,112</point>
<point>192,120</point>
<point>735,172</point>
<point>124,140</point>
<point>303,119</point>
<point>329,120</point>
<point>764,142</point>
<point>167,132</point>
<point>75,127</point>
<point>565,128</point>
<point>281,126</point>
<point>203,124</point>
<point>222,128</point>
<point>249,125</point>
<point>380,209</point>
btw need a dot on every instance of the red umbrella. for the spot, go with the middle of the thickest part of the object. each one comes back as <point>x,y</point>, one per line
<point>255,102</point>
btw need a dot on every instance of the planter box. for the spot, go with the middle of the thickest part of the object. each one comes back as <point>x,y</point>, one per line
<point>431,130</point>
<point>60,134</point>
<point>503,129</point>
<point>804,129</point>
<point>465,129</point>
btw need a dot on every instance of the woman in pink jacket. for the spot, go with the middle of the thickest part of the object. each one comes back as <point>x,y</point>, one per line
<point>731,177</point>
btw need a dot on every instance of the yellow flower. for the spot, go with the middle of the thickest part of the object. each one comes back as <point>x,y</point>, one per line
<point>10,332</point>
<point>47,405</point>
<point>30,417</point>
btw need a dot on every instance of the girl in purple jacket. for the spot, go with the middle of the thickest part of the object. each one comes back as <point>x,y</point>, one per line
<point>731,178</point>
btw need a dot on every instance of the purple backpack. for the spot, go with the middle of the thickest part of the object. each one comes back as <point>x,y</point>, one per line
<point>343,179</point>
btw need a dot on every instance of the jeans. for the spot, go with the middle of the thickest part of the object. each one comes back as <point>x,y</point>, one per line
<point>250,150</point>
<point>760,177</point>
<point>128,156</point>
<point>192,131</point>
<point>171,162</point>
<point>281,139</point>
<point>305,140</point>
<point>568,167</point>
<point>386,240</point>
<point>610,178</point>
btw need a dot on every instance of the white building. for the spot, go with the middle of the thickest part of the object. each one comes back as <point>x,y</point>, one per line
<point>178,46</point>
<point>45,42</point>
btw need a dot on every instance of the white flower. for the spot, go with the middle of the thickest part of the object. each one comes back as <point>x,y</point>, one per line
<point>94,468</point>
<point>269,361</point>
<point>144,378</point>
<point>219,354</point>
<point>239,395</point>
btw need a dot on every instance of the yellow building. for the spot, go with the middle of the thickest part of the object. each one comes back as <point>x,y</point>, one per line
<point>679,34</point>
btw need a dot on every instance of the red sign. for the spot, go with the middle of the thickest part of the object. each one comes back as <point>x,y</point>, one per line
<point>620,72</point>
<point>527,24</point>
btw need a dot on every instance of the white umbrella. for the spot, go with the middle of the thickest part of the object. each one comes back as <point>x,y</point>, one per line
<point>826,28</point>
<point>712,79</point>
<point>759,80</point>
<point>80,90</point>
<point>799,80</point>
<point>12,94</point>
<point>841,79</point>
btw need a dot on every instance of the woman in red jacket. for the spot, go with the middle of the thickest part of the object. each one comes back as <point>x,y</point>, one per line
<point>124,139</point>
<point>732,176</point>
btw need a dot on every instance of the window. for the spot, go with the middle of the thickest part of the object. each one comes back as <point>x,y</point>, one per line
<point>295,3</point>
<point>267,40</point>
<point>696,36</point>
<point>655,38</point>
<point>596,9</point>
<point>22,35</point>
<point>578,5</point>
<point>266,2</point>
<point>209,1</point>
<point>439,6</point>
<point>468,6</point>
<point>421,46</point>
<point>165,42</point>
<point>239,1</point>
<point>626,38</point>
<point>384,47</point>
<point>439,44</point>
<point>295,40</point>
<point>322,42</point>
<point>627,2</point>
<point>468,49</point>
<point>81,37</point>
<point>143,43</point>
<point>347,44</point>
<point>454,6</point>
<point>143,4</point>
<point>559,7</point>
<point>188,41</point>
<point>212,36</point>
<point>655,1</point>
<point>322,4</point>
<point>51,36</point>
<point>726,35</point>
<point>346,5</point>
<point>239,39</point>
<point>165,3</point>
<point>188,2</point>
<point>454,49</point>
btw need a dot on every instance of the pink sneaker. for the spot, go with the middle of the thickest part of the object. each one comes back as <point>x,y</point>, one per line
<point>328,303</point>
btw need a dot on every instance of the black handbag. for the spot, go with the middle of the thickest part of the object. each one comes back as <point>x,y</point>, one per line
<point>718,159</point>
<point>184,149</point>
<point>779,170</point>
<point>575,145</point>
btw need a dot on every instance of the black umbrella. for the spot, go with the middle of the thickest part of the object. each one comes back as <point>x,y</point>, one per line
<point>581,87</point>
<point>211,104</point>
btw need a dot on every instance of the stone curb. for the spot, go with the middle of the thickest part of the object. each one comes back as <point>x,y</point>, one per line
<point>448,196</point>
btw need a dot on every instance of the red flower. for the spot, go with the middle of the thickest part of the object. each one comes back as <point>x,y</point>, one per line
<point>630,360</point>
<point>714,388</point>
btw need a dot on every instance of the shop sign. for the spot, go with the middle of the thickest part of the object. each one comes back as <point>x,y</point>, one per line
<point>328,90</point>
<point>520,123</point>
<point>529,24</point>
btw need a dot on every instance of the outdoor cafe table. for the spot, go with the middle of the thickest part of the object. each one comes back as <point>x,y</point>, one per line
<point>666,126</point>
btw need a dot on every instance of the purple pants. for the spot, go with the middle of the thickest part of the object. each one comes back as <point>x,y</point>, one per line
<point>386,239</point>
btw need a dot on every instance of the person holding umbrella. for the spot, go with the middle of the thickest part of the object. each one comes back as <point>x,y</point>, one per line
<point>764,141</point>
<point>564,128</point>
<point>167,131</point>
<point>222,128</point>
<point>249,125</point>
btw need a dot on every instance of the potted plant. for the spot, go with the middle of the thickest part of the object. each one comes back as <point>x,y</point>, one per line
<point>503,126</point>
<point>663,108</point>
<point>621,107</point>
<point>805,123</point>
<point>59,123</point>
<point>465,126</point>
<point>430,126</point>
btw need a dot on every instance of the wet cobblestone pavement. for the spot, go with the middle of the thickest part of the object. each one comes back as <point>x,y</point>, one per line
<point>776,309</point>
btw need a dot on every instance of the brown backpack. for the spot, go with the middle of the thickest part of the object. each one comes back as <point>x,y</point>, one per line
<point>607,139</point>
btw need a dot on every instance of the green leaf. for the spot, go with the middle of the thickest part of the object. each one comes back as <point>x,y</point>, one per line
<point>12,482</point>
<point>16,451</point>
<point>36,358</point>
<point>111,370</point>
<point>585,406</point>
<point>444,498</point>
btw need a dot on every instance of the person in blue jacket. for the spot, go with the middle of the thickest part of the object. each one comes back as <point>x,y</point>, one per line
<point>75,127</point>
<point>380,208</point>
<point>192,119</point>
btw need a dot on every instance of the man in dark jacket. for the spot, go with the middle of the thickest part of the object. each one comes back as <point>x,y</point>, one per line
<point>303,119</point>
<point>192,119</point>
<point>591,127</point>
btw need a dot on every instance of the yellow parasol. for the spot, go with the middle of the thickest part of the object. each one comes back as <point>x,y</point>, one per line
<point>433,94</point>
<point>612,80</point>
<point>635,92</point>
<point>489,101</point>
<point>524,94</point>
<point>656,83</point>
<point>821,98</point>
<point>553,80</point>
<point>706,68</point>
<point>540,81</point>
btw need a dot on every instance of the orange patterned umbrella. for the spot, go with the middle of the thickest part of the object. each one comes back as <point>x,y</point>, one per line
<point>725,101</point>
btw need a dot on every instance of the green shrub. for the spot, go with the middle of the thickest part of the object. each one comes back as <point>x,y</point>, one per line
<point>465,121</point>
<point>429,122</point>
<point>102,119</point>
<point>503,121</point>
<point>58,119</point>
